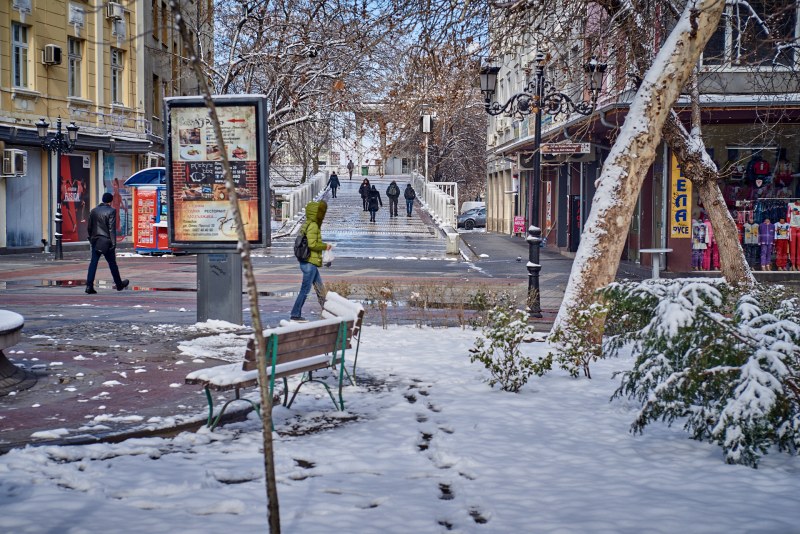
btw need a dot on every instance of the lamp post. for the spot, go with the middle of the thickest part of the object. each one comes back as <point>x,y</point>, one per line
<point>58,144</point>
<point>426,127</point>
<point>538,96</point>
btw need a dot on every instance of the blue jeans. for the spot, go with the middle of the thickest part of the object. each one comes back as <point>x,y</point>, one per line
<point>409,206</point>
<point>110,254</point>
<point>310,277</point>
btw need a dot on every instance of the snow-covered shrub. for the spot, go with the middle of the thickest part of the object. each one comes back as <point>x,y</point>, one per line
<point>576,346</point>
<point>498,349</point>
<point>723,361</point>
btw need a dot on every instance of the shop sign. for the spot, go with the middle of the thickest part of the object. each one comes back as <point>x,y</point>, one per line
<point>200,212</point>
<point>566,148</point>
<point>681,204</point>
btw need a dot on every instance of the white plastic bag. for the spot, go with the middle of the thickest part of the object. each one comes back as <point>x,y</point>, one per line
<point>327,257</point>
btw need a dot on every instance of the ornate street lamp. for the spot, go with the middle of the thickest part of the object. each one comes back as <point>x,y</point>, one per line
<point>58,144</point>
<point>538,96</point>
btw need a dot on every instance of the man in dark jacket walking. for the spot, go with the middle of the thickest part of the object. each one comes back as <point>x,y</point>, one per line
<point>364,192</point>
<point>373,200</point>
<point>393,192</point>
<point>103,238</point>
<point>333,183</point>
<point>409,194</point>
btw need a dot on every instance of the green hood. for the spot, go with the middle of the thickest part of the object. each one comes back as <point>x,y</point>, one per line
<point>315,211</point>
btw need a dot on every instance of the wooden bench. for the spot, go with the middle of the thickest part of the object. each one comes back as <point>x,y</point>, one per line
<point>294,349</point>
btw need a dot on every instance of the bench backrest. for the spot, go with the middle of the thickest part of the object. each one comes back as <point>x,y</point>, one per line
<point>301,342</point>
<point>338,306</point>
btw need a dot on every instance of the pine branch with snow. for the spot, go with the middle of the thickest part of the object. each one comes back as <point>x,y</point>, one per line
<point>725,363</point>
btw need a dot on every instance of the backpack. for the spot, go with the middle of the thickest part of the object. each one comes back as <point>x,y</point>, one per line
<point>301,250</point>
<point>394,191</point>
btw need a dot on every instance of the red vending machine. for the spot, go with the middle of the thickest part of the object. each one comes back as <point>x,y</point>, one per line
<point>150,231</point>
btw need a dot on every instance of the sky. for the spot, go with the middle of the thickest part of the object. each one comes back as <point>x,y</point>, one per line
<point>424,445</point>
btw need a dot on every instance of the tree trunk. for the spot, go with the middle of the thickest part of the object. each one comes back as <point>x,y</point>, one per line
<point>631,156</point>
<point>271,486</point>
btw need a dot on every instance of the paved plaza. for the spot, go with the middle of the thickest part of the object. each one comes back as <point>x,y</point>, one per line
<point>117,353</point>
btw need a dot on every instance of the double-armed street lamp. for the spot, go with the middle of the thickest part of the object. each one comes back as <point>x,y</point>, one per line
<point>58,144</point>
<point>539,96</point>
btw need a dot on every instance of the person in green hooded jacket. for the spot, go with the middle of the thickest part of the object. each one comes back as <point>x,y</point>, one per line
<point>315,213</point>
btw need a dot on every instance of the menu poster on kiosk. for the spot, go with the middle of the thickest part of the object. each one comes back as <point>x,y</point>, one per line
<point>201,215</point>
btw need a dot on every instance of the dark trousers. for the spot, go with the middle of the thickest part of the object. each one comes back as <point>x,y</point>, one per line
<point>393,206</point>
<point>333,191</point>
<point>372,215</point>
<point>409,206</point>
<point>364,202</point>
<point>110,254</point>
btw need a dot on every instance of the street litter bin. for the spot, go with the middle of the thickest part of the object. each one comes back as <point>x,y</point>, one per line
<point>365,170</point>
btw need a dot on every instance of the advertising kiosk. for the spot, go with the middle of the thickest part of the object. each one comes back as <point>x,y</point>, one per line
<point>150,226</point>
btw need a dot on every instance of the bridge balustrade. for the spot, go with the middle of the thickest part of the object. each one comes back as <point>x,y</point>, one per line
<point>438,197</point>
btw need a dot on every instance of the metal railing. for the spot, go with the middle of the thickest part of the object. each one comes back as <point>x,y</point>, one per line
<point>295,201</point>
<point>439,198</point>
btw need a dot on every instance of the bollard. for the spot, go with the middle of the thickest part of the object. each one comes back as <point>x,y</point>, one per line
<point>534,240</point>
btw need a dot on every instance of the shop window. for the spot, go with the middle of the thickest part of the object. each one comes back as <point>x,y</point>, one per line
<point>754,33</point>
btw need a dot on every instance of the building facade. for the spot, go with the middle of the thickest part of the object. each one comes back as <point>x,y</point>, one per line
<point>91,63</point>
<point>750,111</point>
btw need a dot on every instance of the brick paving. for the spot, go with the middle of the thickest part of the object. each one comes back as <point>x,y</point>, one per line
<point>109,367</point>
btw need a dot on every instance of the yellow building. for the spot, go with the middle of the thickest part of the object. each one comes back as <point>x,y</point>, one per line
<point>104,66</point>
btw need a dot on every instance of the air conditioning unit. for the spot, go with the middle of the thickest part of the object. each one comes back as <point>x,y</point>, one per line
<point>51,55</point>
<point>15,162</point>
<point>525,161</point>
<point>115,11</point>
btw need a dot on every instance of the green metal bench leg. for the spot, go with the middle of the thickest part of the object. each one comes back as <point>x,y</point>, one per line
<point>355,358</point>
<point>214,421</point>
<point>310,379</point>
<point>210,406</point>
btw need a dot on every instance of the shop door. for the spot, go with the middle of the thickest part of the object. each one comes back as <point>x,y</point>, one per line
<point>23,209</point>
<point>574,223</point>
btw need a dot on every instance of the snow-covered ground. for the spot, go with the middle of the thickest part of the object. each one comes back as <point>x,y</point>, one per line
<point>424,446</point>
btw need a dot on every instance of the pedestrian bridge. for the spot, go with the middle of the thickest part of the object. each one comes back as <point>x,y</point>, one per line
<point>348,226</point>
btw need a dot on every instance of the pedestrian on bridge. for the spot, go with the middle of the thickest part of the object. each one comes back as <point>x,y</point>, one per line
<point>374,200</point>
<point>333,183</point>
<point>350,168</point>
<point>364,192</point>
<point>409,194</point>
<point>393,192</point>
